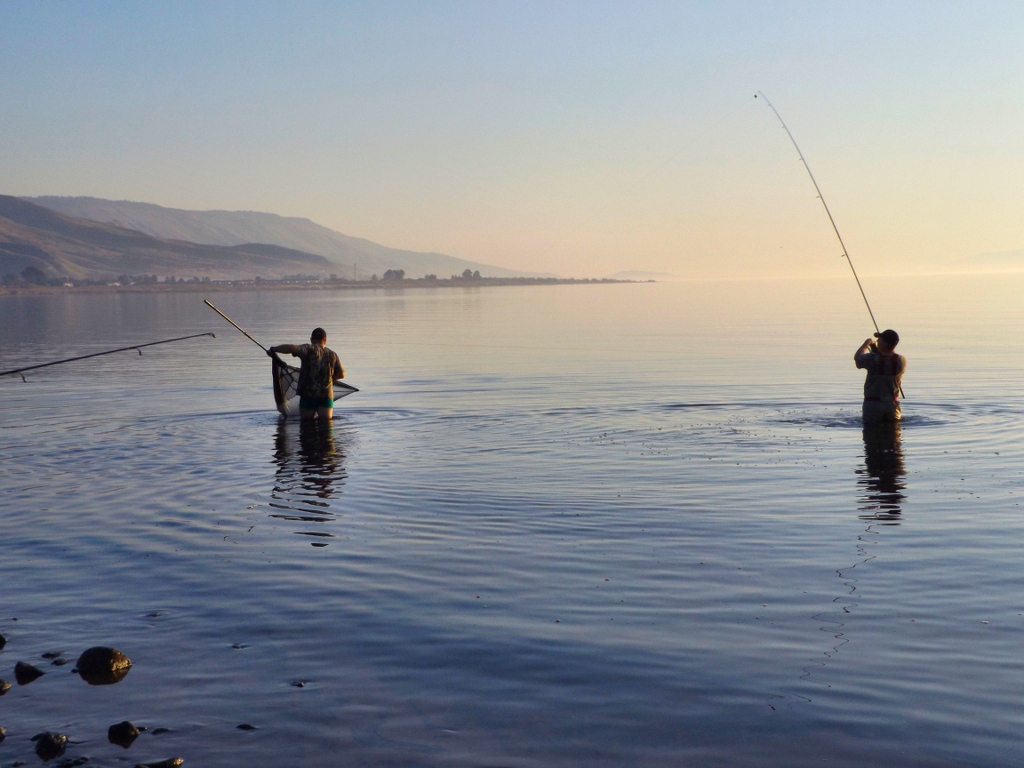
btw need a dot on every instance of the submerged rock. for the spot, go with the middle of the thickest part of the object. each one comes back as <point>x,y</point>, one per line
<point>5,686</point>
<point>246,727</point>
<point>122,734</point>
<point>3,642</point>
<point>171,762</point>
<point>103,666</point>
<point>158,731</point>
<point>26,673</point>
<point>50,745</point>
<point>3,733</point>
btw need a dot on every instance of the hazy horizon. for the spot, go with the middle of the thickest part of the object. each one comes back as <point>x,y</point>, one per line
<point>573,138</point>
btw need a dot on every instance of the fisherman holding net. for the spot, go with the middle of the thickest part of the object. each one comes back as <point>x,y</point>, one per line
<point>319,370</point>
<point>885,371</point>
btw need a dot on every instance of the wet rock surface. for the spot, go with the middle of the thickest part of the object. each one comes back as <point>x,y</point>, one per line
<point>5,686</point>
<point>50,745</point>
<point>3,733</point>
<point>26,673</point>
<point>3,642</point>
<point>158,731</point>
<point>171,762</point>
<point>246,727</point>
<point>103,666</point>
<point>122,734</point>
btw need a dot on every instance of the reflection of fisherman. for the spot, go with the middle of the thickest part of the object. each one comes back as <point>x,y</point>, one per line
<point>320,368</point>
<point>883,473</point>
<point>885,371</point>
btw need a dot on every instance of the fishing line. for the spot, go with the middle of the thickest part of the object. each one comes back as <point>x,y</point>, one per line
<point>138,347</point>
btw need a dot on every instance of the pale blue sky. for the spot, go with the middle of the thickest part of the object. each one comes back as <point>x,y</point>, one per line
<point>574,137</point>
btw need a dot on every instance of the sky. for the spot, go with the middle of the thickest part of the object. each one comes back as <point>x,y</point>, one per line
<point>580,138</point>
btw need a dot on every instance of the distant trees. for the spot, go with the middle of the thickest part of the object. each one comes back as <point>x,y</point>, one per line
<point>469,274</point>
<point>394,274</point>
<point>431,278</point>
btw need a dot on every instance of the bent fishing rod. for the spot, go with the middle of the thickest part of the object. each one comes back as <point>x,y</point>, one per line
<point>821,197</point>
<point>846,254</point>
<point>138,347</point>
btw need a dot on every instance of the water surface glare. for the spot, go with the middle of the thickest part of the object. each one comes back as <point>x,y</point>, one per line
<point>562,525</point>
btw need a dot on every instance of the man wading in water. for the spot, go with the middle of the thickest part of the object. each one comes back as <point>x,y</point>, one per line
<point>885,371</point>
<point>320,369</point>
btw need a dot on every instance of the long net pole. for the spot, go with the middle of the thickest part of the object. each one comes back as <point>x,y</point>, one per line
<point>240,328</point>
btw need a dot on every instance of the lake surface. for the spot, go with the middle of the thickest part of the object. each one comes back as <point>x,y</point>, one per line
<point>588,525</point>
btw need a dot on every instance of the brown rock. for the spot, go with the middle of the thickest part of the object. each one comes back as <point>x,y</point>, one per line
<point>122,734</point>
<point>103,666</point>
<point>26,673</point>
<point>3,734</point>
<point>171,762</point>
<point>5,686</point>
<point>50,745</point>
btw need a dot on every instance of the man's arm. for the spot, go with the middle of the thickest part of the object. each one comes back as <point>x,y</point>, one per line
<point>339,370</point>
<point>858,356</point>
<point>287,349</point>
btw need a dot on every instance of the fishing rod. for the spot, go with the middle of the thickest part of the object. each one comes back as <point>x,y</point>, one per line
<point>138,347</point>
<point>832,221</point>
<point>821,197</point>
<point>240,328</point>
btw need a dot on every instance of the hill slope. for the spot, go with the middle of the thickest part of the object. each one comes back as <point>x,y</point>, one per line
<point>237,227</point>
<point>31,235</point>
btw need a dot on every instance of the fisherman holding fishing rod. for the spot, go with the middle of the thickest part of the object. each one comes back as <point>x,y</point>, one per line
<point>882,387</point>
<point>885,370</point>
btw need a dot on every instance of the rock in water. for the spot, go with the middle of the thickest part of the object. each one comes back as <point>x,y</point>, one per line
<point>50,745</point>
<point>122,734</point>
<point>3,733</point>
<point>26,673</point>
<point>5,686</point>
<point>171,762</point>
<point>103,666</point>
<point>3,642</point>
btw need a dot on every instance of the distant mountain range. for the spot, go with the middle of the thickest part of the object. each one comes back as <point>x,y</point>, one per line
<point>347,256</point>
<point>31,235</point>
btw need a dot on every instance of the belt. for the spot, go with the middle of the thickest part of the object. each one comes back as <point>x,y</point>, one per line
<point>879,400</point>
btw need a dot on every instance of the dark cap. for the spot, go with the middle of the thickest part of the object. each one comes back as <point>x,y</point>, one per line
<point>320,333</point>
<point>889,336</point>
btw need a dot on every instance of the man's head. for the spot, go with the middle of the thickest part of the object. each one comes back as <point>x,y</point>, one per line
<point>887,340</point>
<point>319,336</point>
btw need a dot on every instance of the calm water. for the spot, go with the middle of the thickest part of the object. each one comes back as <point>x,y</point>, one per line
<point>575,525</point>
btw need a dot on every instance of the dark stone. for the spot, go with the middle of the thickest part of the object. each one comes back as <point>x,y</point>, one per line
<point>171,762</point>
<point>246,727</point>
<point>103,666</point>
<point>50,745</point>
<point>122,734</point>
<point>299,684</point>
<point>3,733</point>
<point>26,673</point>
<point>53,654</point>
<point>158,731</point>
<point>5,686</point>
<point>60,662</point>
<point>73,763</point>
<point>3,642</point>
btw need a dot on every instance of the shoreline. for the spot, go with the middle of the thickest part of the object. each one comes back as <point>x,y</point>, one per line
<point>198,286</point>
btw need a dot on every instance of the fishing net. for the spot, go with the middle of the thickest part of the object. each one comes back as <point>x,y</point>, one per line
<point>286,387</point>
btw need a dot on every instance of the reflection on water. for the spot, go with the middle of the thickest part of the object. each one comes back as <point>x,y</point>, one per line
<point>881,478</point>
<point>310,459</point>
